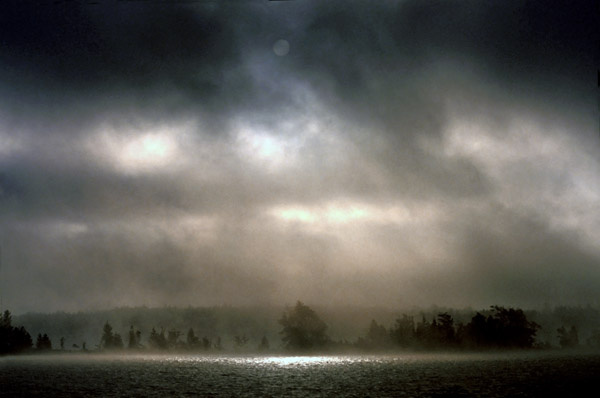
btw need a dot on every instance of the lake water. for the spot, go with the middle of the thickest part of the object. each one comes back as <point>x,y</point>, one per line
<point>411,375</point>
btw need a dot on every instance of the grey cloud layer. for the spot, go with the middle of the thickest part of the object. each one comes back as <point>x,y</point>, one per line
<point>383,81</point>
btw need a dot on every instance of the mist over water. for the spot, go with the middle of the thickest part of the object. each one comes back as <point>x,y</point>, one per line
<point>254,323</point>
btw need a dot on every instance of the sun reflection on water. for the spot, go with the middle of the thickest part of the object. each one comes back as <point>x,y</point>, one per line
<point>278,361</point>
<point>298,360</point>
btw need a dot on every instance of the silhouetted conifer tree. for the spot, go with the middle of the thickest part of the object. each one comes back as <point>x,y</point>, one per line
<point>6,321</point>
<point>445,330</point>
<point>423,333</point>
<point>43,342</point>
<point>158,340</point>
<point>240,341</point>
<point>568,338</point>
<point>218,346</point>
<point>13,340</point>
<point>173,338</point>
<point>504,328</point>
<point>377,335</point>
<point>106,341</point>
<point>264,344</point>
<point>133,341</point>
<point>403,331</point>
<point>117,341</point>
<point>192,340</point>
<point>302,329</point>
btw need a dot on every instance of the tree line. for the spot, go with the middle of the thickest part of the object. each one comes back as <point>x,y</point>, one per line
<point>16,340</point>
<point>502,328</point>
<point>172,340</point>
<point>302,330</point>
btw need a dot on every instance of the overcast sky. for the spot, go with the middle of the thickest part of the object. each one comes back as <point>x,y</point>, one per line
<point>383,153</point>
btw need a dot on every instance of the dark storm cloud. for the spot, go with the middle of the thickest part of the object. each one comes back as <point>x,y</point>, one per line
<point>395,65</point>
<point>372,62</point>
<point>548,47</point>
<point>76,57</point>
<point>385,83</point>
<point>105,53</point>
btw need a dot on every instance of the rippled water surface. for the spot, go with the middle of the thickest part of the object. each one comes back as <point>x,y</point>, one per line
<point>525,374</point>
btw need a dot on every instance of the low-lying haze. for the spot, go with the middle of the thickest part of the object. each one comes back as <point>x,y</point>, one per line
<point>397,153</point>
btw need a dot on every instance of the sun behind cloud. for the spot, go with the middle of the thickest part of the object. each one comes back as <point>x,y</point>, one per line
<point>140,150</point>
<point>149,149</point>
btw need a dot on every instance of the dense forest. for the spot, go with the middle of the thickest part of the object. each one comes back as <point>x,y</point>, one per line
<point>299,328</point>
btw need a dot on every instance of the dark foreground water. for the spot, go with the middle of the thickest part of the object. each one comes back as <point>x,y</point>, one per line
<point>413,375</point>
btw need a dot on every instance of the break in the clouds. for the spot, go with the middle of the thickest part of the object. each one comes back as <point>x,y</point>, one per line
<point>390,153</point>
